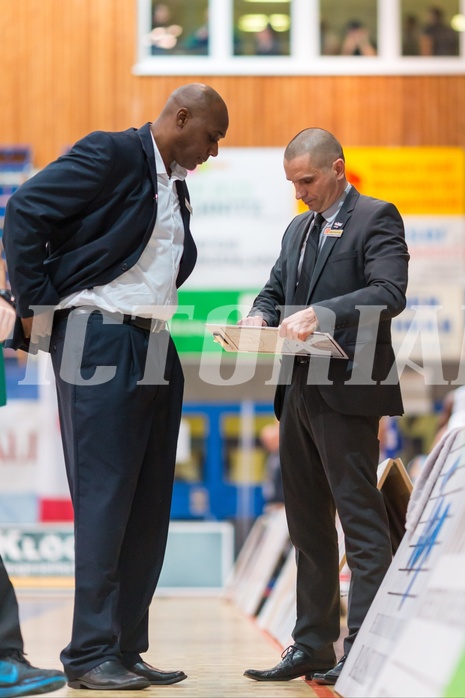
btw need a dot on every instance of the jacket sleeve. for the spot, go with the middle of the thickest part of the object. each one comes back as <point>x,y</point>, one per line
<point>385,260</point>
<point>36,211</point>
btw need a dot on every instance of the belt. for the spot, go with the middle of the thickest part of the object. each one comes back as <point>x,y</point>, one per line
<point>302,360</point>
<point>143,323</point>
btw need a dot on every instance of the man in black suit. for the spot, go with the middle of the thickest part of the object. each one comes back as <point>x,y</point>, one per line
<point>100,238</point>
<point>17,676</point>
<point>342,269</point>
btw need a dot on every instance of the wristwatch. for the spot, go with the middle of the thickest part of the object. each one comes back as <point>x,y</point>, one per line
<point>7,296</point>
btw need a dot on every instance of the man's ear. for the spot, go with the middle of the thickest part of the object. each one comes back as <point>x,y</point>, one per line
<point>339,167</point>
<point>181,117</point>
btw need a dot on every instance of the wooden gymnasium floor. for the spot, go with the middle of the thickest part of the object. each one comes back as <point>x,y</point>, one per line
<point>208,638</point>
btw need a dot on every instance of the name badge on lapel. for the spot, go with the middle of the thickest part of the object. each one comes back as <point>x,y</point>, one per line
<point>335,231</point>
<point>189,207</point>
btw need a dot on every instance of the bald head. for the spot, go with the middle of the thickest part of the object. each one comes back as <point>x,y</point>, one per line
<point>194,96</point>
<point>320,145</point>
<point>314,163</point>
<point>190,125</point>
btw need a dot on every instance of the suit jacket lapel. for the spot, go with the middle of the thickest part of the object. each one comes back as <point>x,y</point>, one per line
<point>293,261</point>
<point>147,145</point>
<point>183,194</point>
<point>189,256</point>
<point>330,242</point>
<point>321,261</point>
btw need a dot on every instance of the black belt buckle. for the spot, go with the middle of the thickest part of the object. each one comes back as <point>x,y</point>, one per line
<point>149,324</point>
<point>143,323</point>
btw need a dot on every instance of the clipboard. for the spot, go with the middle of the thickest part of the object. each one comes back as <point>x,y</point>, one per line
<point>266,340</point>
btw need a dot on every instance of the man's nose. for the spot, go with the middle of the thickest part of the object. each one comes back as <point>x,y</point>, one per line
<point>213,150</point>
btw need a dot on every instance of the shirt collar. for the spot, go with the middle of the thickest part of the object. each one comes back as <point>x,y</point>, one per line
<point>331,212</point>
<point>177,172</point>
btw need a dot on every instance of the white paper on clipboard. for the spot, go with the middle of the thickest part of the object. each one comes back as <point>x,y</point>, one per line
<point>266,340</point>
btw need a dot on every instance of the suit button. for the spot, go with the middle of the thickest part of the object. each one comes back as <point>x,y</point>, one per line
<point>124,266</point>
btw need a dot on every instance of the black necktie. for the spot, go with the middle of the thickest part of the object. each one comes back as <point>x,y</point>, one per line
<point>308,262</point>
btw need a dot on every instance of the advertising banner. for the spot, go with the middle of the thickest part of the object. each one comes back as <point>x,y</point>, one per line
<point>243,204</point>
<point>412,639</point>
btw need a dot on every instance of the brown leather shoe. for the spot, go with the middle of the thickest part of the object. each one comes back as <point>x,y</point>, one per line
<point>294,663</point>
<point>155,676</point>
<point>110,675</point>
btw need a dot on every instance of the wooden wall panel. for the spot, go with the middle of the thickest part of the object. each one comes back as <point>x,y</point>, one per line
<point>66,70</point>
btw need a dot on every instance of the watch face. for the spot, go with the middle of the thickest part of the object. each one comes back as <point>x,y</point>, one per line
<point>7,295</point>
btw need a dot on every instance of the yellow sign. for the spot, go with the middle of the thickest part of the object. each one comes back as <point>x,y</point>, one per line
<point>416,180</point>
<point>423,180</point>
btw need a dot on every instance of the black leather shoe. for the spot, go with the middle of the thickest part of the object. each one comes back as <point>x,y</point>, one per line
<point>155,676</point>
<point>330,677</point>
<point>110,675</point>
<point>294,663</point>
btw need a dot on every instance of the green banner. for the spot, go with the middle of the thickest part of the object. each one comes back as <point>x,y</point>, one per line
<point>195,308</point>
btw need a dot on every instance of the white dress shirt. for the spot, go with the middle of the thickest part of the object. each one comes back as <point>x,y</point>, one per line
<point>148,289</point>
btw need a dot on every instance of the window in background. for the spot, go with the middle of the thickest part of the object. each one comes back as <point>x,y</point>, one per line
<point>431,29</point>
<point>348,29</point>
<point>261,27</point>
<point>300,37</point>
<point>179,28</point>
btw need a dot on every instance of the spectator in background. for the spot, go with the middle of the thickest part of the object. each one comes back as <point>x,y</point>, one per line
<point>411,36</point>
<point>357,40</point>
<point>198,42</point>
<point>165,34</point>
<point>267,42</point>
<point>330,42</point>
<point>390,442</point>
<point>453,412</point>
<point>17,676</point>
<point>273,484</point>
<point>437,38</point>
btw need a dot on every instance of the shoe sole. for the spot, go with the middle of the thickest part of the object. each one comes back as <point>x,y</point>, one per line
<point>133,686</point>
<point>33,688</point>
<point>308,676</point>
<point>256,678</point>
<point>324,682</point>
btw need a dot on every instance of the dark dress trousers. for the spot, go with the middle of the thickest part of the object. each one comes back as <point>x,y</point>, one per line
<point>329,411</point>
<point>83,221</point>
<point>10,631</point>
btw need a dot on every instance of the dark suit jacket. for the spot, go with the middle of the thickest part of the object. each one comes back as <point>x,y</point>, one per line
<point>86,218</point>
<point>358,284</point>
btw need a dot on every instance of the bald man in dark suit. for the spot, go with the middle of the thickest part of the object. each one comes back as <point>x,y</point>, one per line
<point>101,239</point>
<point>342,268</point>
